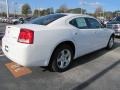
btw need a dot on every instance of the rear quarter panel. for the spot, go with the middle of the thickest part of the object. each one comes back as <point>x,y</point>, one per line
<point>47,40</point>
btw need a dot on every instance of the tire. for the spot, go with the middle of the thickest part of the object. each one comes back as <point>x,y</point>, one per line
<point>59,61</point>
<point>110,43</point>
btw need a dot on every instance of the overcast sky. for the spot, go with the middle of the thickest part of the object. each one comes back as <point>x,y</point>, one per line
<point>89,5</point>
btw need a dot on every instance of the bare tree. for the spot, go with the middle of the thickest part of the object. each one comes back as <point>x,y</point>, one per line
<point>26,9</point>
<point>98,11</point>
<point>36,12</point>
<point>62,9</point>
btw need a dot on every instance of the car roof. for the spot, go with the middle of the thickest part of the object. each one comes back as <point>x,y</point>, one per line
<point>67,17</point>
<point>71,14</point>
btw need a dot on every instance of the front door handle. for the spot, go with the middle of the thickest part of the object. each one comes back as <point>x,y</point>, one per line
<point>76,33</point>
<point>95,32</point>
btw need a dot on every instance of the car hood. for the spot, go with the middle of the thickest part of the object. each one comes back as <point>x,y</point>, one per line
<point>15,20</point>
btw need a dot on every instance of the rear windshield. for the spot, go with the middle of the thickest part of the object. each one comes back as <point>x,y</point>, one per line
<point>45,20</point>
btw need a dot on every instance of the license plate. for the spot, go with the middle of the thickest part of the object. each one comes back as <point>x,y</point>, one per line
<point>6,48</point>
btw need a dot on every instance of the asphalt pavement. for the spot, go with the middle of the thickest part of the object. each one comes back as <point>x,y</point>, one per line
<point>97,71</point>
<point>2,32</point>
<point>2,29</point>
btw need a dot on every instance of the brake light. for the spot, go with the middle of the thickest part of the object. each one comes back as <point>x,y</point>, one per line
<point>26,36</point>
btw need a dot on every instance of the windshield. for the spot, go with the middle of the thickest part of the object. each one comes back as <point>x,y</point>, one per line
<point>45,20</point>
<point>116,19</point>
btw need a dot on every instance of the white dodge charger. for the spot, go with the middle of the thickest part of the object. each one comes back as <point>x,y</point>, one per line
<point>55,40</point>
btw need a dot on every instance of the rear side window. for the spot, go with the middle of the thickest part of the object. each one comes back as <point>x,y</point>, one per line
<point>93,23</point>
<point>45,20</point>
<point>73,22</point>
<point>79,23</point>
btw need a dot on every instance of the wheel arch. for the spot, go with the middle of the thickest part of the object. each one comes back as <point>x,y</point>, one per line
<point>70,43</point>
<point>113,34</point>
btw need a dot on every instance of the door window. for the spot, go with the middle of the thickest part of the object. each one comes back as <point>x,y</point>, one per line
<point>93,23</point>
<point>79,23</point>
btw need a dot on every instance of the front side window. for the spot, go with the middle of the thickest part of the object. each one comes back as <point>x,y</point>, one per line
<point>79,23</point>
<point>93,23</point>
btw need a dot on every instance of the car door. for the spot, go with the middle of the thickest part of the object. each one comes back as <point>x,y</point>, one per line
<point>84,37</point>
<point>100,34</point>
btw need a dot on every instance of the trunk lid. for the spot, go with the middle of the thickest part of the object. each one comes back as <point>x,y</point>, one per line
<point>12,32</point>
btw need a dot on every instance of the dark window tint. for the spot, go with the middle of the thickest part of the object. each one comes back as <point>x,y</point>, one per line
<point>79,23</point>
<point>117,18</point>
<point>45,20</point>
<point>93,23</point>
<point>73,22</point>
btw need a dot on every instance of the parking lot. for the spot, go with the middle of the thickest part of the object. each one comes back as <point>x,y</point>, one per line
<point>97,71</point>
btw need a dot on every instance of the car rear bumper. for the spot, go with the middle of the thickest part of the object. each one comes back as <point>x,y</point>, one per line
<point>24,54</point>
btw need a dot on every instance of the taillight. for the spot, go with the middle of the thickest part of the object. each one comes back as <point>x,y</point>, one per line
<point>26,36</point>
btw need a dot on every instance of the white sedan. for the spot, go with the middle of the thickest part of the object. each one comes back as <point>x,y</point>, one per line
<point>55,40</point>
